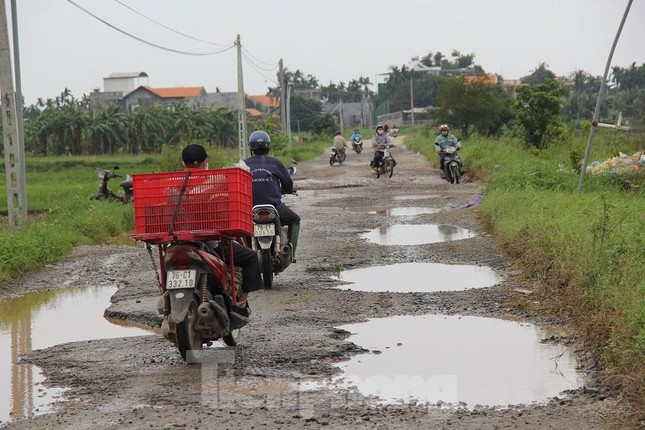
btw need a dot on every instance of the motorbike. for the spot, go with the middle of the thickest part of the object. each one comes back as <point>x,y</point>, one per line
<point>197,286</point>
<point>105,193</point>
<point>357,145</point>
<point>451,164</point>
<point>385,164</point>
<point>337,156</point>
<point>271,241</point>
<point>394,132</point>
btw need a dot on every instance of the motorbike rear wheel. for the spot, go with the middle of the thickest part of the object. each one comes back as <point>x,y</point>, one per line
<point>342,157</point>
<point>189,341</point>
<point>267,270</point>
<point>232,338</point>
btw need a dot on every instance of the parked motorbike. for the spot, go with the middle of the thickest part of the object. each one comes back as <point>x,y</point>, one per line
<point>357,145</point>
<point>384,163</point>
<point>337,156</point>
<point>271,241</point>
<point>105,193</point>
<point>451,164</point>
<point>187,215</point>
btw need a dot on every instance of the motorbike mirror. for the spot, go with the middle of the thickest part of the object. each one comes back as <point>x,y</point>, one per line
<point>116,168</point>
<point>459,139</point>
<point>292,170</point>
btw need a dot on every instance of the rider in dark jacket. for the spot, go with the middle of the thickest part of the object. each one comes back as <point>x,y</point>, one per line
<point>271,179</point>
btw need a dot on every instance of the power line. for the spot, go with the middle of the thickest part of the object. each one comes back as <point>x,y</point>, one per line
<point>176,51</point>
<point>167,27</point>
<point>273,65</point>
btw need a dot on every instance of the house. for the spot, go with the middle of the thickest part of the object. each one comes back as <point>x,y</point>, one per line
<point>354,114</point>
<point>115,86</point>
<point>265,103</point>
<point>146,96</point>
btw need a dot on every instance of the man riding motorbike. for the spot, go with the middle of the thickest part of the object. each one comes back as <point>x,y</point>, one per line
<point>339,142</point>
<point>444,140</point>
<point>194,157</point>
<point>380,141</point>
<point>270,180</point>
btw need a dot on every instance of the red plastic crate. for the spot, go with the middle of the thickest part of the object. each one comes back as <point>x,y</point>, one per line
<point>215,203</point>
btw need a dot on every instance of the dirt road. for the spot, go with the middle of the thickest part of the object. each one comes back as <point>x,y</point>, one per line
<point>294,343</point>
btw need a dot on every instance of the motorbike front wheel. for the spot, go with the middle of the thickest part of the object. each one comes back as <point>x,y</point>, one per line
<point>389,167</point>
<point>189,340</point>
<point>454,173</point>
<point>267,270</point>
<point>332,159</point>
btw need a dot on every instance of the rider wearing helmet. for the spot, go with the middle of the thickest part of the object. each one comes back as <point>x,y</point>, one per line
<point>380,141</point>
<point>271,179</point>
<point>339,142</point>
<point>443,141</point>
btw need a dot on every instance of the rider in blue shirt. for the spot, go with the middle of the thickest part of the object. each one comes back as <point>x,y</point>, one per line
<point>271,179</point>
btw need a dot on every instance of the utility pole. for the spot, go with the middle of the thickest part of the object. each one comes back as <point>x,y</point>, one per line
<point>288,103</point>
<point>340,113</point>
<point>14,153</point>
<point>241,104</point>
<point>411,97</point>
<point>283,97</point>
<point>596,113</point>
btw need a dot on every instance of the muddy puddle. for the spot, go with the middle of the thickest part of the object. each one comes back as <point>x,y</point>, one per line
<point>41,320</point>
<point>416,234</point>
<point>439,359</point>
<point>419,278</point>
<point>403,211</point>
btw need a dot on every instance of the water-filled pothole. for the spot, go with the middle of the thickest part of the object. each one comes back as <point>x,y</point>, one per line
<point>419,278</point>
<point>452,359</point>
<point>416,234</point>
<point>41,320</point>
<point>416,197</point>
<point>403,211</point>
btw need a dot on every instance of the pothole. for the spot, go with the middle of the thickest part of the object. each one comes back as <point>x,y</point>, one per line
<point>419,278</point>
<point>440,359</point>
<point>416,234</point>
<point>41,320</point>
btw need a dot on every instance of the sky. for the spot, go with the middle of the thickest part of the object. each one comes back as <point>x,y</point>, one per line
<point>336,41</point>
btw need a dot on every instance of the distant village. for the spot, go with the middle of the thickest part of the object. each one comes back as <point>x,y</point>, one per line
<point>131,90</point>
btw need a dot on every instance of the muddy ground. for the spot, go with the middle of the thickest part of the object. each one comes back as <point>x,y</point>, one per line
<point>141,382</point>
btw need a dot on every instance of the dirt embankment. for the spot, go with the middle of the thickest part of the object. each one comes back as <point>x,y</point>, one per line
<point>141,382</point>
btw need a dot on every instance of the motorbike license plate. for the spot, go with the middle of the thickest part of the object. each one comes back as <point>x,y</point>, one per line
<point>263,230</point>
<point>177,279</point>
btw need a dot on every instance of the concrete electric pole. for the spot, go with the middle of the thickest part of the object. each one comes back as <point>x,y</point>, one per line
<point>14,151</point>
<point>241,103</point>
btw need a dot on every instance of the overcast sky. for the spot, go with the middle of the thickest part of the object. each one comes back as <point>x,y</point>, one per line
<point>333,40</point>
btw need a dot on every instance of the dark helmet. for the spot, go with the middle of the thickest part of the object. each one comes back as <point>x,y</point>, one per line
<point>338,133</point>
<point>259,140</point>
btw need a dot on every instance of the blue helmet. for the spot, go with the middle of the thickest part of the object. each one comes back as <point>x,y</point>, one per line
<point>259,140</point>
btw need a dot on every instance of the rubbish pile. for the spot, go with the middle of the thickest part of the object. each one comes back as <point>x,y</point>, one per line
<point>623,163</point>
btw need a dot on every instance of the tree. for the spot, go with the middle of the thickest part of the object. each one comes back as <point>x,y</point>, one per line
<point>474,106</point>
<point>304,112</point>
<point>541,74</point>
<point>538,112</point>
<point>324,124</point>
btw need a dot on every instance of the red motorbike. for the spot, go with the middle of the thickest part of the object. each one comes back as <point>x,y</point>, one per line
<point>186,215</point>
